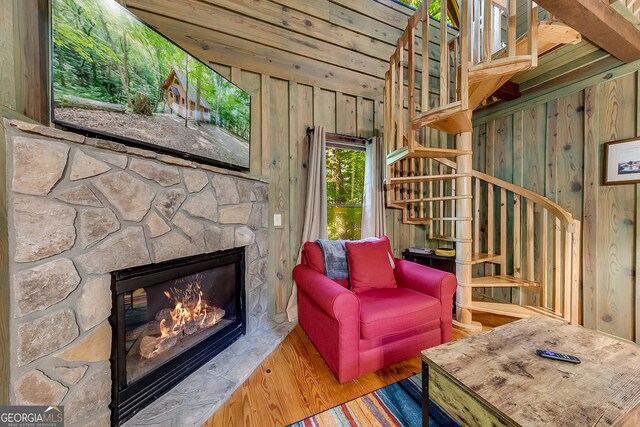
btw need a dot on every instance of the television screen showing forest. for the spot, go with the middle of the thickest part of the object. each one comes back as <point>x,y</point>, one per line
<point>114,75</point>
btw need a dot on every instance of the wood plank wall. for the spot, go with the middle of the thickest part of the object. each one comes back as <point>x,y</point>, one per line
<point>554,146</point>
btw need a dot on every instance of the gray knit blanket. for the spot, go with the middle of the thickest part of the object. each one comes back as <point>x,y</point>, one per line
<point>335,258</point>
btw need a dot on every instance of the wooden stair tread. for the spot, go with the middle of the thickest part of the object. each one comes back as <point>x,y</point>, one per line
<point>503,281</point>
<point>403,202</point>
<point>450,118</point>
<point>512,310</point>
<point>423,153</point>
<point>430,220</point>
<point>424,178</point>
<point>499,67</point>
<point>479,258</point>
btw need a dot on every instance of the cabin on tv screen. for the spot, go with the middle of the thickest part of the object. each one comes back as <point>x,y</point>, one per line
<point>178,91</point>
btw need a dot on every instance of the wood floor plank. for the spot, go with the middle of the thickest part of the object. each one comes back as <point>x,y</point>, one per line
<point>294,382</point>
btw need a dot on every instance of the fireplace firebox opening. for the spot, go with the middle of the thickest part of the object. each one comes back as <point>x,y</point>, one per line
<point>168,320</point>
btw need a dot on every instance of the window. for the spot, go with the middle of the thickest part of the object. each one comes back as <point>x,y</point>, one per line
<point>345,185</point>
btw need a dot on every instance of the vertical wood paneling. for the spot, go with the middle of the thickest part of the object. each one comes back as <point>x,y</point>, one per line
<point>251,82</point>
<point>569,154</point>
<point>294,166</point>
<point>299,169</point>
<point>7,74</point>
<point>265,110</point>
<point>534,169</point>
<point>551,151</point>
<point>616,213</point>
<point>4,280</point>
<point>637,235</point>
<point>590,244</point>
<point>327,107</point>
<point>279,191</point>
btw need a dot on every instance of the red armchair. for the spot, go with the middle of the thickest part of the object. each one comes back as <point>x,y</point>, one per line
<point>358,333</point>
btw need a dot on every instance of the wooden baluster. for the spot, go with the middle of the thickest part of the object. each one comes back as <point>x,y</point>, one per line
<point>544,272</point>
<point>456,70</point>
<point>421,188</point>
<point>441,212</point>
<point>557,267</point>
<point>393,100</point>
<point>530,242</point>
<point>387,111</point>
<point>412,186</point>
<point>517,237</point>
<point>532,40</point>
<point>464,55</point>
<point>486,20</point>
<point>425,59</point>
<point>444,56</point>
<point>430,189</point>
<point>575,273</point>
<point>511,28</point>
<point>400,136</point>
<point>476,216</point>
<point>503,230</point>
<point>566,269</point>
<point>491,220</point>
<point>411,69</point>
<point>471,19</point>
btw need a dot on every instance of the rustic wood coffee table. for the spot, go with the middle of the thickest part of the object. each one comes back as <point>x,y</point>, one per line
<point>496,378</point>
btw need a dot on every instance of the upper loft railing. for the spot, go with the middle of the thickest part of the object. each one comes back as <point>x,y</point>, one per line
<point>496,37</point>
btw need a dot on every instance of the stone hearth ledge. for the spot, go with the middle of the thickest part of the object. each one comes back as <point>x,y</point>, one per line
<point>199,396</point>
<point>80,208</point>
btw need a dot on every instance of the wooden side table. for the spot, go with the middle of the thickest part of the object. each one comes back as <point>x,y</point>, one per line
<point>432,260</point>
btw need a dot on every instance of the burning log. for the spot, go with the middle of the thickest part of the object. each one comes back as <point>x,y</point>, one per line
<point>151,346</point>
<point>164,314</point>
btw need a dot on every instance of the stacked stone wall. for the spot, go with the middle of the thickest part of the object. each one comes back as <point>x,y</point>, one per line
<point>80,208</point>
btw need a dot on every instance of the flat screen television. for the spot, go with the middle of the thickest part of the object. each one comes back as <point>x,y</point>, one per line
<point>114,76</point>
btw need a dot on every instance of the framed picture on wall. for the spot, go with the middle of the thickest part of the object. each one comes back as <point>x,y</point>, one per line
<point>622,162</point>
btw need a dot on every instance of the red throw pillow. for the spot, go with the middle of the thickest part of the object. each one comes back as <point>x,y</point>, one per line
<point>370,265</point>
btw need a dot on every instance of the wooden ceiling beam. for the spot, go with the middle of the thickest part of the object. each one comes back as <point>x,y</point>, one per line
<point>600,23</point>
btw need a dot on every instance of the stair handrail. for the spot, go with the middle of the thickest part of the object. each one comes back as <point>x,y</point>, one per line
<point>564,243</point>
<point>551,206</point>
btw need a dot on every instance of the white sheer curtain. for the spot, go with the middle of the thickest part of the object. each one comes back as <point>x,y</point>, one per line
<point>373,224</point>
<point>315,212</point>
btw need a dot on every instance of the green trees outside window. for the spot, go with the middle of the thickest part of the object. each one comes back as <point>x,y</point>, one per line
<point>345,186</point>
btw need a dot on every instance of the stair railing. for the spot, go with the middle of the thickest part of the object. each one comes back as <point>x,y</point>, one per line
<point>544,243</point>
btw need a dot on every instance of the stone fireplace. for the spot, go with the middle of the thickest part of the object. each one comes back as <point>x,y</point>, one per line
<point>168,320</point>
<point>80,209</point>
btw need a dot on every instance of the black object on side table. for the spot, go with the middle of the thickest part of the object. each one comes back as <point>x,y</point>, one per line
<point>444,263</point>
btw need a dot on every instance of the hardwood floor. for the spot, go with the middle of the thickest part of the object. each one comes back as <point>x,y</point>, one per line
<point>294,382</point>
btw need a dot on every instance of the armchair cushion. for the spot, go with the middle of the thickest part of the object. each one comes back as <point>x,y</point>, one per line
<point>388,311</point>
<point>370,265</point>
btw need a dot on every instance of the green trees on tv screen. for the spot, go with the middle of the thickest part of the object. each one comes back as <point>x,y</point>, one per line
<point>102,53</point>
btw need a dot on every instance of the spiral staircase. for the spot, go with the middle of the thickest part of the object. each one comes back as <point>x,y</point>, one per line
<point>509,240</point>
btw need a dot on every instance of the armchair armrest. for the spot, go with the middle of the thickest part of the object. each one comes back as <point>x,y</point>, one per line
<point>420,278</point>
<point>335,300</point>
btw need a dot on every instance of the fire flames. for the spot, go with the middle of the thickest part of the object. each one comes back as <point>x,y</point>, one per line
<point>188,316</point>
<point>187,312</point>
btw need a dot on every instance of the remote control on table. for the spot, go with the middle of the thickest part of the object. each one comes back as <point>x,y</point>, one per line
<point>558,356</point>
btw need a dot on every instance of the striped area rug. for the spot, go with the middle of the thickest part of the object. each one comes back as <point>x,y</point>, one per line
<point>398,404</point>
